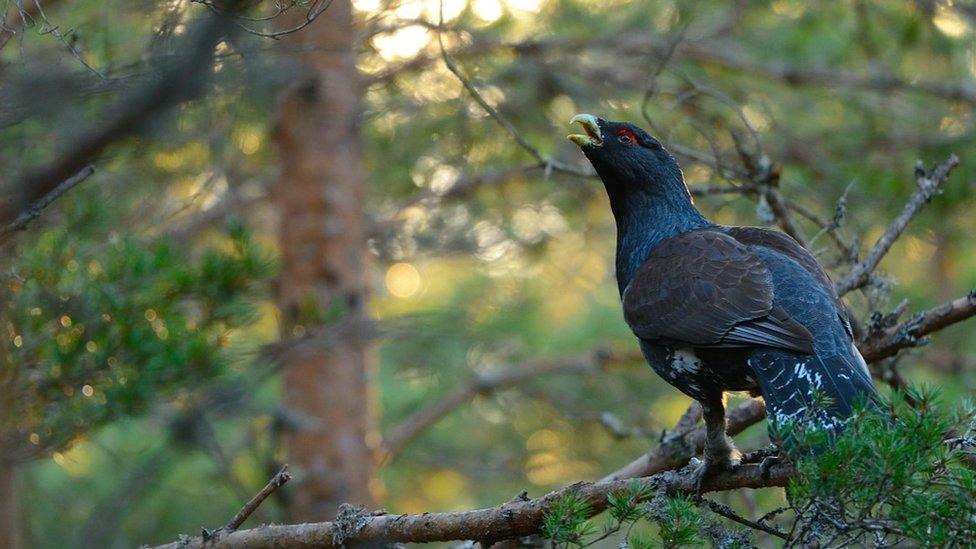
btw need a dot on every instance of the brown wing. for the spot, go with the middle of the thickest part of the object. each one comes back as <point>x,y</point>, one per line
<point>705,289</point>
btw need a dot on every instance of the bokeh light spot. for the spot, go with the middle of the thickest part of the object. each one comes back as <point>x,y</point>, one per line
<point>403,280</point>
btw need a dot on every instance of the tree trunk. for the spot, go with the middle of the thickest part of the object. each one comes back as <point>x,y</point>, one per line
<point>323,276</point>
<point>9,507</point>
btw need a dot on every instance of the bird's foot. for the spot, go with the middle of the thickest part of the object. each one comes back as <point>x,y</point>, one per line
<point>767,464</point>
<point>757,456</point>
<point>709,468</point>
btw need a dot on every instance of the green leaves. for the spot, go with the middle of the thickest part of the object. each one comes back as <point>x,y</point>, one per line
<point>101,331</point>
<point>679,520</point>
<point>896,475</point>
<point>566,521</point>
<point>892,475</point>
<point>624,506</point>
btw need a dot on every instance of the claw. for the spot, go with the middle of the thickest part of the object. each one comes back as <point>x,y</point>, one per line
<point>767,464</point>
<point>706,469</point>
<point>703,473</point>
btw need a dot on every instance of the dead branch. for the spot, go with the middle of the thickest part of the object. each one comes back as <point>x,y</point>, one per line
<point>314,10</point>
<point>545,162</point>
<point>277,481</point>
<point>466,185</point>
<point>705,53</point>
<point>517,518</point>
<point>727,512</point>
<point>210,537</point>
<point>830,228</point>
<point>887,341</point>
<point>929,185</point>
<point>27,13</point>
<point>829,77</point>
<point>34,211</point>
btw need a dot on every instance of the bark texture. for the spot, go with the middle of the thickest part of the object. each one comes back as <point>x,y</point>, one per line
<point>522,516</point>
<point>323,276</point>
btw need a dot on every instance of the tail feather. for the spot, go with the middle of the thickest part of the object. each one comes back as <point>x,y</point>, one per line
<point>814,390</point>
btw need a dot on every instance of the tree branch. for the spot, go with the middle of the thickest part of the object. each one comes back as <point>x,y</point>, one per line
<point>34,211</point>
<point>178,82</point>
<point>728,513</point>
<point>929,185</point>
<point>704,53</point>
<point>277,481</point>
<point>887,341</point>
<point>829,77</point>
<point>517,518</point>
<point>544,161</point>
<point>314,10</point>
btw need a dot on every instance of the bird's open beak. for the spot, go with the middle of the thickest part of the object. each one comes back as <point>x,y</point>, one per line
<point>588,123</point>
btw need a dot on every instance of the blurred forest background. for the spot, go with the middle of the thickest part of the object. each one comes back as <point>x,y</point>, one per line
<point>305,241</point>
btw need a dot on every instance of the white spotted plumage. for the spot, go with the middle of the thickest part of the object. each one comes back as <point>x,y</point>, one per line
<point>684,360</point>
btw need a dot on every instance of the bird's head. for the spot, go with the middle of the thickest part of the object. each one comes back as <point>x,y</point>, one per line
<point>626,157</point>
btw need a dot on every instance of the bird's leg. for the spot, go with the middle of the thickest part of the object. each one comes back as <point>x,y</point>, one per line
<point>720,453</point>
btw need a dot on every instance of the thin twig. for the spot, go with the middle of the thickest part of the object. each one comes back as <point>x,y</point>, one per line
<point>830,228</point>
<point>929,185</point>
<point>316,9</point>
<point>277,481</point>
<point>656,73</point>
<point>544,161</point>
<point>34,211</point>
<point>48,28</point>
<point>728,513</point>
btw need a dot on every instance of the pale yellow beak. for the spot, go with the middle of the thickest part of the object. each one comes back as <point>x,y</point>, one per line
<point>591,127</point>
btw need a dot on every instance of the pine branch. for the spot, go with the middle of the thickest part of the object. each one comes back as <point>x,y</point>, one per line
<point>517,518</point>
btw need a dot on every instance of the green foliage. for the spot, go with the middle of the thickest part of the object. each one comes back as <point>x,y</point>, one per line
<point>101,330</point>
<point>624,506</point>
<point>566,521</point>
<point>679,520</point>
<point>898,474</point>
<point>892,476</point>
<point>680,523</point>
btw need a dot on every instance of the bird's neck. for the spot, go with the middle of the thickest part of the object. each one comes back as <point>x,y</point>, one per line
<point>645,219</point>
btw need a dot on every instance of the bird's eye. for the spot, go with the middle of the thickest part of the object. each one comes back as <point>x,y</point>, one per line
<point>626,137</point>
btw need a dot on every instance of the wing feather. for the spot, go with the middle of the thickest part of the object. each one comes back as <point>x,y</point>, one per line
<point>706,289</point>
<point>786,245</point>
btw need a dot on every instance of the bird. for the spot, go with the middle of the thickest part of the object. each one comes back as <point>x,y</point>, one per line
<point>720,309</point>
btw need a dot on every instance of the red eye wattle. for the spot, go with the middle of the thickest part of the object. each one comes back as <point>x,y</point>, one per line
<point>626,137</point>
